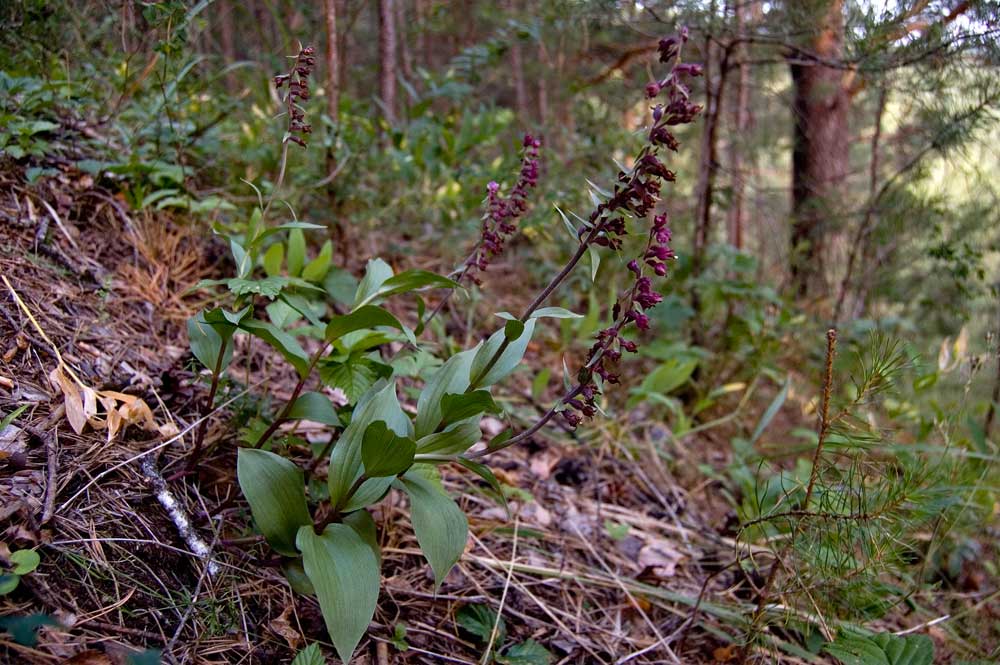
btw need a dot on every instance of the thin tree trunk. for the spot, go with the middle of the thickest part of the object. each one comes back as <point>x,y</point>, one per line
<point>225,15</point>
<point>387,58</point>
<point>741,125</point>
<point>709,151</point>
<point>820,153</point>
<point>861,240</point>
<point>543,92</point>
<point>332,61</point>
<point>995,398</point>
<point>405,55</point>
<point>420,8</point>
<point>520,88</point>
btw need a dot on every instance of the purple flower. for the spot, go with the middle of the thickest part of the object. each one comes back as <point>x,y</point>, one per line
<point>500,220</point>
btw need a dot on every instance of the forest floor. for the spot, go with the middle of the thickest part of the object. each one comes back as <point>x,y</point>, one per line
<point>601,559</point>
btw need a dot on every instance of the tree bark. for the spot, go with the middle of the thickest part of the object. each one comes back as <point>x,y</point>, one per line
<point>714,85</point>
<point>820,153</point>
<point>405,55</point>
<point>332,56</point>
<point>387,58</point>
<point>225,14</point>
<point>861,243</point>
<point>741,126</point>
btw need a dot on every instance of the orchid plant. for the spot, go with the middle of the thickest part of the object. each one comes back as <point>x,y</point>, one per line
<point>328,541</point>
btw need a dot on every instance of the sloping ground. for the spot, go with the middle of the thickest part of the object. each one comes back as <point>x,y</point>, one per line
<point>598,563</point>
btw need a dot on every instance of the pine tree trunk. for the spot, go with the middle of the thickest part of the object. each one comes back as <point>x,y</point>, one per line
<point>332,61</point>
<point>741,127</point>
<point>225,14</point>
<point>387,58</point>
<point>820,153</point>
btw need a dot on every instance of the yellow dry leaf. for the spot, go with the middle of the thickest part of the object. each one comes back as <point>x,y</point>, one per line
<point>75,413</point>
<point>117,410</point>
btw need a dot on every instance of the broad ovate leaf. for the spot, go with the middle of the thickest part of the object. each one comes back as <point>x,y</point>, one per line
<point>485,372</point>
<point>344,571</point>
<point>281,341</point>
<point>439,524</point>
<point>382,404</point>
<point>368,316</point>
<point>384,453</point>
<point>466,405</point>
<point>409,280</point>
<point>376,273</point>
<point>451,378</point>
<point>207,339</point>
<point>456,438</point>
<point>316,269</point>
<point>275,490</point>
<point>316,407</point>
<point>296,252</point>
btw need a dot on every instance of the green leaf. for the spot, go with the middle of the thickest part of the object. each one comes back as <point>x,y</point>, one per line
<point>288,226</point>
<point>455,439</point>
<point>145,657</point>
<point>275,490</point>
<point>466,405</point>
<point>316,270</point>
<point>409,280</point>
<point>345,573</point>
<point>242,258</point>
<point>273,258</point>
<point>340,285</point>
<point>304,307</point>
<point>669,376</point>
<point>254,228</point>
<point>486,474</point>
<point>508,361</point>
<point>8,583</point>
<point>284,343</point>
<point>10,417</point>
<point>354,376</point>
<point>451,377</point>
<point>282,314</point>
<point>568,225</point>
<point>25,561</point>
<point>361,521</point>
<point>772,411</point>
<point>316,407</point>
<point>479,620</point>
<point>345,460</point>
<point>311,655</point>
<point>23,628</point>
<point>269,287</point>
<point>296,252</point>
<point>595,262</point>
<point>438,522</point>
<point>368,316</point>
<point>525,653</point>
<point>384,453</point>
<point>376,273</point>
<point>554,313</point>
<point>296,576</point>
<point>513,329</point>
<point>852,648</point>
<point>540,383</point>
<point>207,340</point>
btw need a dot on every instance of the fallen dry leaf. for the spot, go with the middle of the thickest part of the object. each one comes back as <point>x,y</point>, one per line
<point>89,657</point>
<point>119,409</point>
<point>660,558</point>
<point>725,654</point>
<point>283,628</point>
